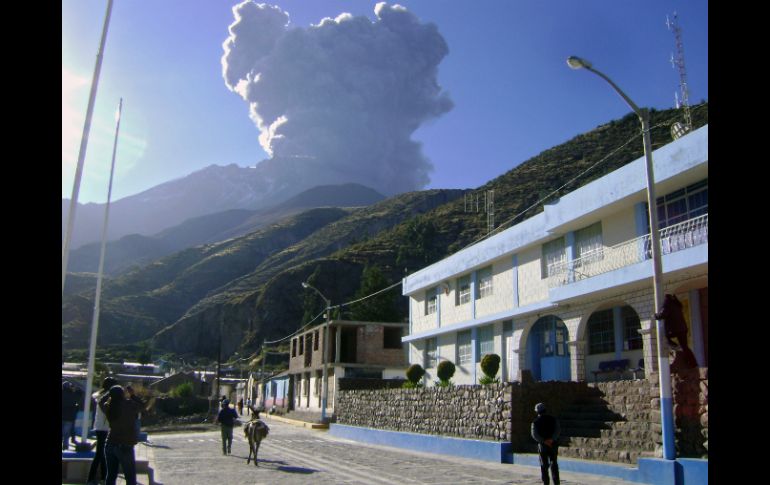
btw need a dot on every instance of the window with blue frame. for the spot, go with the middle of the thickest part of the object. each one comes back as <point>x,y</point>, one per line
<point>463,293</point>
<point>601,332</point>
<point>431,353</point>
<point>632,340</point>
<point>484,282</point>
<point>683,204</point>
<point>554,253</point>
<point>431,301</point>
<point>486,338</point>
<point>464,349</point>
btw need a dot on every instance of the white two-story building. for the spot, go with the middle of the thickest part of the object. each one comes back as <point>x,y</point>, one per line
<point>572,286</point>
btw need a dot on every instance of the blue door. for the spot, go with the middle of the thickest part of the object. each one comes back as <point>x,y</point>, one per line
<point>549,352</point>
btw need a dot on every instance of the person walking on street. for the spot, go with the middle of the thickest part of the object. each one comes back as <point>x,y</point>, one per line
<point>121,413</point>
<point>69,411</point>
<point>101,428</point>
<point>226,419</point>
<point>240,406</point>
<point>546,431</point>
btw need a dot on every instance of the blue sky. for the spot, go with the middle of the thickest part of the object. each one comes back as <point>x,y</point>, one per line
<point>505,72</point>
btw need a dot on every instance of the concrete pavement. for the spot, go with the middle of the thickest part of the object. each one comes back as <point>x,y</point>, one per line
<point>295,455</point>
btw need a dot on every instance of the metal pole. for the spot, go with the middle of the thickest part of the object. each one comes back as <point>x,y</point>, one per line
<point>97,298</point>
<point>664,372</point>
<point>82,153</point>
<point>325,378</point>
<point>262,375</point>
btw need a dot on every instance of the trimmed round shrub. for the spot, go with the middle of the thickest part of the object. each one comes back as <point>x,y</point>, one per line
<point>490,364</point>
<point>445,371</point>
<point>414,373</point>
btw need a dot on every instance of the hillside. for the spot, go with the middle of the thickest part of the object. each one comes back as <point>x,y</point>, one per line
<point>136,250</point>
<point>261,298</point>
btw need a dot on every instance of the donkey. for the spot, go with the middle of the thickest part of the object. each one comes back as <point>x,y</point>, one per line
<point>255,431</point>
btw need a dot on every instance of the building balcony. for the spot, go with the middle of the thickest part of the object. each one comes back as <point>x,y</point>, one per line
<point>678,237</point>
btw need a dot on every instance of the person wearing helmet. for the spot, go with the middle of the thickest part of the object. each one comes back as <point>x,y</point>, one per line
<point>546,431</point>
<point>226,418</point>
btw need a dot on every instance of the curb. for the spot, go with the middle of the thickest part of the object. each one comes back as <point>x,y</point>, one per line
<point>295,422</point>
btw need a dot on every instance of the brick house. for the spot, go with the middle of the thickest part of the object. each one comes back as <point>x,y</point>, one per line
<point>356,349</point>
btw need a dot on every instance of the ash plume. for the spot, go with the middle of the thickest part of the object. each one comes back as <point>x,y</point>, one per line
<point>342,97</point>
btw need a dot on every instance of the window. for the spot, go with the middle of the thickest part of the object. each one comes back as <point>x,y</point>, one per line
<point>588,243</point>
<point>601,333</point>
<point>301,345</point>
<point>294,347</point>
<point>315,341</point>
<point>632,340</point>
<point>391,338</point>
<point>463,294</point>
<point>484,280</point>
<point>431,301</point>
<point>464,351</point>
<point>486,337</point>
<point>553,254</point>
<point>683,204</point>
<point>431,353</point>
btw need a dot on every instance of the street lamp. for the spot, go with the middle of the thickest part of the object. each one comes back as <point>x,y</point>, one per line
<point>666,403</point>
<point>324,379</point>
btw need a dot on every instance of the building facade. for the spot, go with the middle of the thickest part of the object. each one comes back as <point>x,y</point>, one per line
<point>571,287</point>
<point>356,349</point>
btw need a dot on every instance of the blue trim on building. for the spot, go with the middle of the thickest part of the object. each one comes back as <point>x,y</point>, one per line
<point>655,471</point>
<point>570,252</point>
<point>515,275</point>
<point>667,416</point>
<point>494,451</point>
<point>474,351</point>
<point>506,315</point>
<point>473,295</point>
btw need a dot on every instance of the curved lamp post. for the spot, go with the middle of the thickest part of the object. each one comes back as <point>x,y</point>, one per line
<point>324,379</point>
<point>666,402</point>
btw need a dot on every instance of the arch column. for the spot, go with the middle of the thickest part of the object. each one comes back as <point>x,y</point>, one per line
<point>577,356</point>
<point>650,347</point>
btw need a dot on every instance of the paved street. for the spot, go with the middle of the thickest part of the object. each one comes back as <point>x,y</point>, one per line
<point>294,455</point>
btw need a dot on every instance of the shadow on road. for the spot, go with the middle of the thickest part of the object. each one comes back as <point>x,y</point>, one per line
<point>295,469</point>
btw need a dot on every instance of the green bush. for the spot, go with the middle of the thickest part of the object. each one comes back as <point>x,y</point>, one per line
<point>444,372</point>
<point>414,373</point>
<point>184,390</point>
<point>490,364</point>
<point>411,385</point>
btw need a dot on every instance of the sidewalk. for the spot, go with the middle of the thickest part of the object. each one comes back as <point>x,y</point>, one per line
<point>75,466</point>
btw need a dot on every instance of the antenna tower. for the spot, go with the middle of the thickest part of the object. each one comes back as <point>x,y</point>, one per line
<point>677,62</point>
<point>471,203</point>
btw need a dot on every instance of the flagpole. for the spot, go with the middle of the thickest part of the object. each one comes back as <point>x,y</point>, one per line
<point>82,153</point>
<point>95,321</point>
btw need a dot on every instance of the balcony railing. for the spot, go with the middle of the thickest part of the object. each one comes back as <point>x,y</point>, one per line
<point>687,234</point>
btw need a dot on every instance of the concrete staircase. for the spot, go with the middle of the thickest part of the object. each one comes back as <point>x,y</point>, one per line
<point>593,428</point>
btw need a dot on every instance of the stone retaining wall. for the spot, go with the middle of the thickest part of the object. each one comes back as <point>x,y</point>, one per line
<point>691,412</point>
<point>472,412</point>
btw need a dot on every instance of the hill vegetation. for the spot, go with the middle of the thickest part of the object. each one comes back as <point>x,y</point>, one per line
<point>247,289</point>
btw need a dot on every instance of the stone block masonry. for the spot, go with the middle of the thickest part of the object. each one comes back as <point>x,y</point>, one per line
<point>471,412</point>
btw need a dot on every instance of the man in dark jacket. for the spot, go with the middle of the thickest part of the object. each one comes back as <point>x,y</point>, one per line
<point>546,431</point>
<point>69,411</point>
<point>676,327</point>
<point>226,418</point>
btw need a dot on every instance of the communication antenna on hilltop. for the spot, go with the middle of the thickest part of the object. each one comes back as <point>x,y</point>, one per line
<point>473,204</point>
<point>677,62</point>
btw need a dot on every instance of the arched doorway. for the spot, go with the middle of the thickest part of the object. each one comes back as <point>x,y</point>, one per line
<point>547,350</point>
